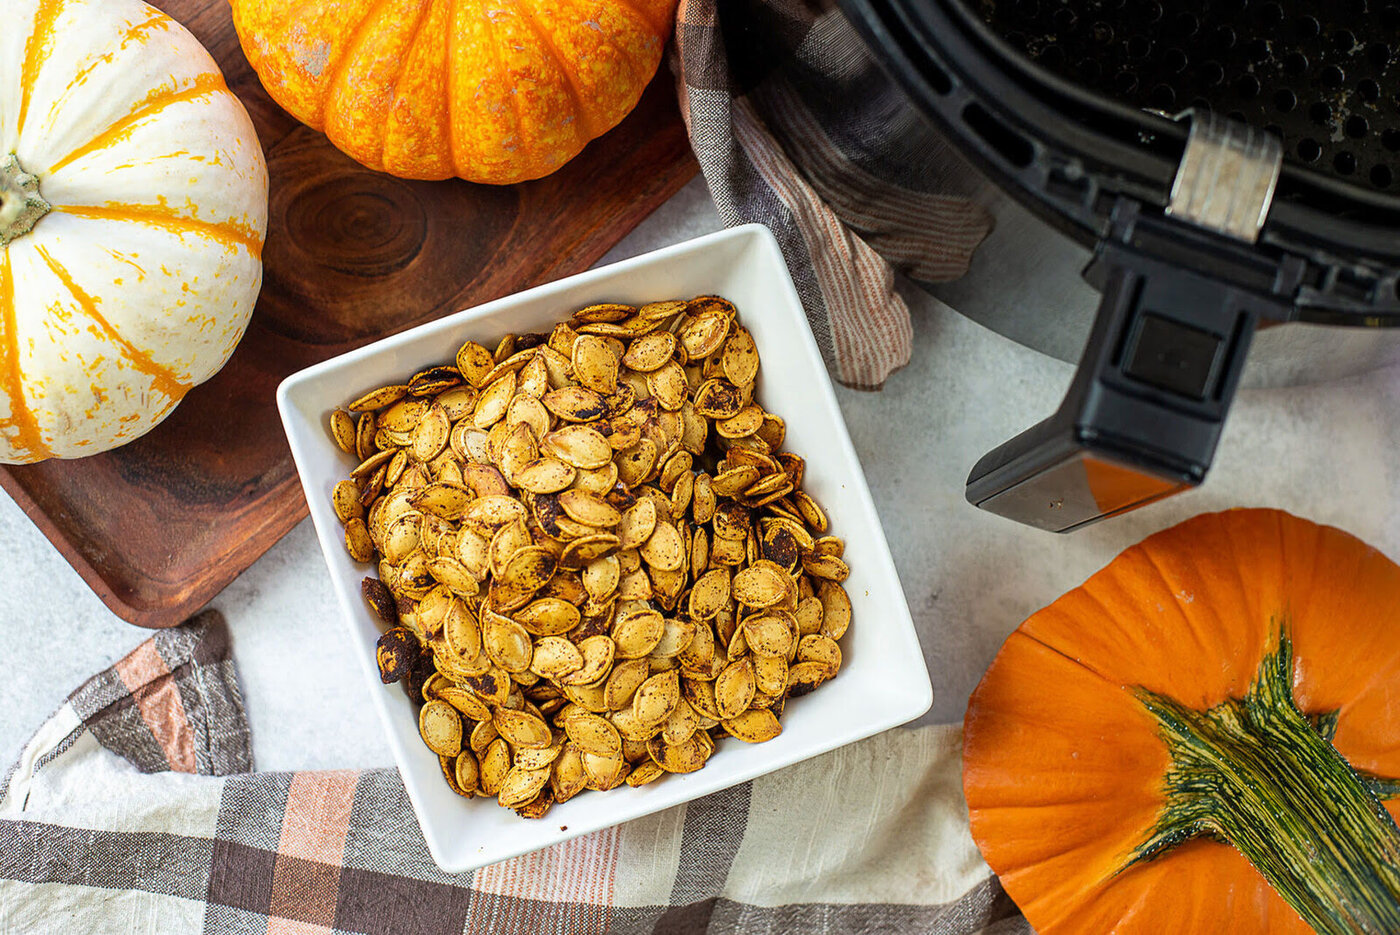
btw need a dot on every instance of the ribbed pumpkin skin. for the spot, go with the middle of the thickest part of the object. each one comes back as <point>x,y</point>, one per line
<point>1063,769</point>
<point>429,89</point>
<point>140,281</point>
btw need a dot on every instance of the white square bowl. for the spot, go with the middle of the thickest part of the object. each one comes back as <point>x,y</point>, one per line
<point>883,681</point>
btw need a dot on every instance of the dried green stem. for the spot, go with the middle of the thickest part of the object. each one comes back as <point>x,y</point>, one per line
<point>1259,775</point>
<point>21,205</point>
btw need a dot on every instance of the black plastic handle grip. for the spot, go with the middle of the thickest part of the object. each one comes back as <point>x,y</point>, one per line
<point>1144,412</point>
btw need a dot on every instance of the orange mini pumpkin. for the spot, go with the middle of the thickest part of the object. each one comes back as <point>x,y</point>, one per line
<point>1198,739</point>
<point>429,89</point>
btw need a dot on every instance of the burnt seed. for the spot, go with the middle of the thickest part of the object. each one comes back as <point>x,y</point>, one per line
<point>382,602</point>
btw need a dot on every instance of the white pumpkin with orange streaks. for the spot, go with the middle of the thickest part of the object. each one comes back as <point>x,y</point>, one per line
<point>133,208</point>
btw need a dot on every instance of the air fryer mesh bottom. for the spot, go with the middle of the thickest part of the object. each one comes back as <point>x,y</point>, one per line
<point>1318,75</point>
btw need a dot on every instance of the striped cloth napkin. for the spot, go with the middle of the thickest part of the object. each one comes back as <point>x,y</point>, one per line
<point>795,126</point>
<point>133,811</point>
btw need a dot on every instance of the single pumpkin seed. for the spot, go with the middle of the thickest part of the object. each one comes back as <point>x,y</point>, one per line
<point>742,424</point>
<point>440,726</point>
<point>589,509</point>
<point>597,661</point>
<point>754,726</point>
<point>548,616</point>
<point>575,403</point>
<point>595,364</point>
<point>357,540</point>
<point>378,399</point>
<point>664,549</point>
<point>656,698</point>
<point>836,609</point>
<point>343,430</point>
<point>734,689</point>
<point>555,657</point>
<point>507,643</point>
<point>768,636</point>
<point>683,757</point>
<point>495,766</point>
<point>521,728</point>
<point>345,498</point>
<point>593,734</point>
<point>828,567</point>
<point>528,569</point>
<point>579,445</point>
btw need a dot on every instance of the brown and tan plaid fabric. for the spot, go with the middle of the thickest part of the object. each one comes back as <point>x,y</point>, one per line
<point>796,127</point>
<point>132,811</point>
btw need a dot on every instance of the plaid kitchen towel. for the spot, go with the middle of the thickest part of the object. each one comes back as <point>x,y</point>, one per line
<point>132,811</point>
<point>796,127</point>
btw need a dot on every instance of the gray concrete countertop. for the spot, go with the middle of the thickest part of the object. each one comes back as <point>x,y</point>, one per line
<point>1327,452</point>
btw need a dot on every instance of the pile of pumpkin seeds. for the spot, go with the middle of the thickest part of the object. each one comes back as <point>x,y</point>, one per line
<point>594,558</point>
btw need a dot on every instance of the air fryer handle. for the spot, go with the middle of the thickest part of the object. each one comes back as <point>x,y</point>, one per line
<point>1144,412</point>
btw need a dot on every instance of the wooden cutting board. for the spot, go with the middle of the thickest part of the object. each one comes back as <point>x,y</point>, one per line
<point>160,526</point>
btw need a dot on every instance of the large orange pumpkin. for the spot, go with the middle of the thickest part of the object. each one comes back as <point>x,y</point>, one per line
<point>491,92</point>
<point>1197,739</point>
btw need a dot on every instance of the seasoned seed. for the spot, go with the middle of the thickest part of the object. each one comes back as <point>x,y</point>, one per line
<point>811,512</point>
<point>606,311</point>
<point>466,773</point>
<point>521,728</point>
<point>637,633</point>
<point>575,403</point>
<point>649,352</point>
<point>754,726</point>
<point>357,540</point>
<point>826,566</point>
<point>579,445</point>
<point>365,429</point>
<point>803,677</point>
<point>734,689</point>
<point>345,498</point>
<point>378,399</point>
<point>441,728</point>
<point>680,758</point>
<point>494,400</point>
<point>396,653</point>
<point>431,434</point>
<point>660,310</point>
<point>507,644</point>
<point>762,584</point>
<point>593,734</point>
<point>597,660</point>
<point>768,636</point>
<point>656,698</point>
<point>521,786</point>
<point>495,766</point>
<point>742,424</point>
<point>836,609</point>
<point>380,600</point>
<point>704,333</point>
<point>668,385</point>
<point>664,549</point>
<point>343,430</point>
<point>595,364</point>
<point>529,569</point>
<point>770,674</point>
<point>548,616</point>
<point>740,360</point>
<point>637,524</point>
<point>474,362</point>
<point>717,398</point>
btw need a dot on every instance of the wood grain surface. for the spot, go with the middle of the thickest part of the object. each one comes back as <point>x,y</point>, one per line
<point>160,526</point>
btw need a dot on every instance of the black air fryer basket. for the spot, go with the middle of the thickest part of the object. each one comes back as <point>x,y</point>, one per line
<point>1230,164</point>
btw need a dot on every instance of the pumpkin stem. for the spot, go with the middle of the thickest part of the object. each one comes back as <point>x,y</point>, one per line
<point>21,205</point>
<point>1258,774</point>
